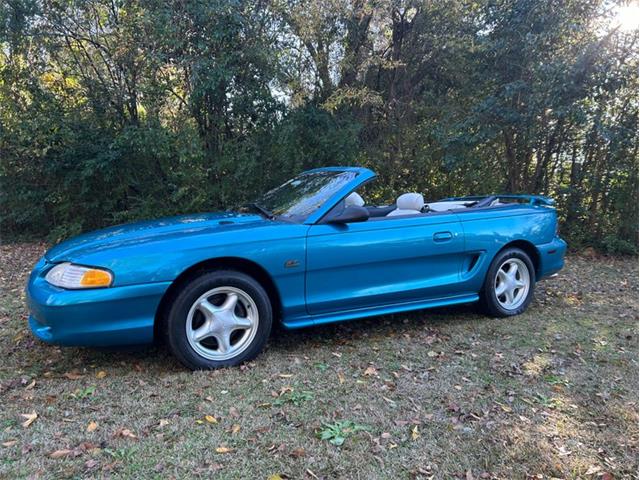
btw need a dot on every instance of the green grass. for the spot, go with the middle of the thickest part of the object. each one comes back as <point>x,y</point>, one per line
<point>446,393</point>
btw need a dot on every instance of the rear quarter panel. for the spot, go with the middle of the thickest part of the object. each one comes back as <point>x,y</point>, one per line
<point>488,230</point>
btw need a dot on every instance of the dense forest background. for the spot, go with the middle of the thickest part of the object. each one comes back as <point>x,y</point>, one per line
<point>114,110</point>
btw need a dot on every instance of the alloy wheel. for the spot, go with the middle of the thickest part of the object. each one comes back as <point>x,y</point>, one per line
<point>512,283</point>
<point>222,323</point>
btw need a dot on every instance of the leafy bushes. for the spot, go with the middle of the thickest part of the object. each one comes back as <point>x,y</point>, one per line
<point>112,112</point>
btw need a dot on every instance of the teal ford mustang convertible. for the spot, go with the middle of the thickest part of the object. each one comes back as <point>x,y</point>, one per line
<point>306,253</point>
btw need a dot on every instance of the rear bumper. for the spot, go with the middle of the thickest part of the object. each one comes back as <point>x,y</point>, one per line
<point>98,317</point>
<point>551,257</point>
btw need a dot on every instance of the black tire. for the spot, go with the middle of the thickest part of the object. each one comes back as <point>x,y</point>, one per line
<point>176,318</point>
<point>488,298</point>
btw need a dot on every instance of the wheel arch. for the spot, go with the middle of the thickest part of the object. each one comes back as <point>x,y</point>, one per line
<point>251,268</point>
<point>528,248</point>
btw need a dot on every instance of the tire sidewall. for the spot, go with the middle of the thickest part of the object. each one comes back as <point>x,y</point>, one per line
<point>190,292</point>
<point>488,295</point>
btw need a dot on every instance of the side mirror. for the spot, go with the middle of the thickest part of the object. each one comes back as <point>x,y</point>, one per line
<point>351,214</point>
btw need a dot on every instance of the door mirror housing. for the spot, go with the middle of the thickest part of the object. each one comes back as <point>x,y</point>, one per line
<point>350,214</point>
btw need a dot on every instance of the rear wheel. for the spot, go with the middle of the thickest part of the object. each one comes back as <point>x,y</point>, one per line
<point>220,318</point>
<point>508,287</point>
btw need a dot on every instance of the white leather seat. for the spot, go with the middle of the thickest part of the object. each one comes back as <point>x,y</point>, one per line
<point>353,200</point>
<point>408,204</point>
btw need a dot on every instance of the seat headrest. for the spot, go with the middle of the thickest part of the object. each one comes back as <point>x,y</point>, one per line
<point>353,200</point>
<point>410,201</point>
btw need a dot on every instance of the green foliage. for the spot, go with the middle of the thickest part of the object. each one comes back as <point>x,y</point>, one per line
<point>337,432</point>
<point>82,393</point>
<point>294,397</point>
<point>117,111</point>
<point>616,245</point>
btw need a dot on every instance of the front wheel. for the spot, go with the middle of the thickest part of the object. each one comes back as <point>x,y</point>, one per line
<point>508,287</point>
<point>219,319</point>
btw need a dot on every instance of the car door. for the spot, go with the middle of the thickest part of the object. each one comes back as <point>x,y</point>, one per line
<point>382,261</point>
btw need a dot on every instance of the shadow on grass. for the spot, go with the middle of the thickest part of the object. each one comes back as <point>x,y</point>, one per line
<point>358,331</point>
<point>289,342</point>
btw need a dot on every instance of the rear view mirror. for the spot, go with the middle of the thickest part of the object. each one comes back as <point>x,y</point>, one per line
<point>351,214</point>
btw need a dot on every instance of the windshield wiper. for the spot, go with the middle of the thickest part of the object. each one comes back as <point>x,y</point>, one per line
<point>262,210</point>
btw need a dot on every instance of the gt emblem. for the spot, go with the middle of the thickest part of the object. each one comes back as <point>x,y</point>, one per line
<point>291,263</point>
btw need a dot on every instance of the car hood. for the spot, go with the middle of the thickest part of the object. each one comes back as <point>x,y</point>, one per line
<point>148,231</point>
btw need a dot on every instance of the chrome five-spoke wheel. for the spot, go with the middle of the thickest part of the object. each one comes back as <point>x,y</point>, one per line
<point>222,323</point>
<point>509,284</point>
<point>218,318</point>
<point>512,283</point>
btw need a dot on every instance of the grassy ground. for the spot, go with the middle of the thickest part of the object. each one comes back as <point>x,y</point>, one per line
<point>442,394</point>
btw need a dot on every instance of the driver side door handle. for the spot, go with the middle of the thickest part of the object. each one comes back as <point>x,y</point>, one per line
<point>442,237</point>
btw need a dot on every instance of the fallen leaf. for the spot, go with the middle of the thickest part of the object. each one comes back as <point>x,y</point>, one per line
<point>87,446</point>
<point>61,453</point>
<point>370,371</point>
<point>275,476</point>
<point>432,354</point>
<point>414,433</point>
<point>210,419</point>
<point>91,463</point>
<point>341,377</point>
<point>30,418</point>
<point>31,385</point>
<point>163,422</point>
<point>593,469</point>
<point>235,428</point>
<point>73,375</point>
<point>285,375</point>
<point>9,443</point>
<point>92,426</point>
<point>224,450</point>
<point>101,374</point>
<point>125,433</point>
<point>453,407</point>
<point>298,452</point>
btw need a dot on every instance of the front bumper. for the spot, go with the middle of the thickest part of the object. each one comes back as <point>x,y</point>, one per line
<point>101,317</point>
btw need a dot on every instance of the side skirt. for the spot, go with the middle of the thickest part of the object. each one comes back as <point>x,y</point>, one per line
<point>378,310</point>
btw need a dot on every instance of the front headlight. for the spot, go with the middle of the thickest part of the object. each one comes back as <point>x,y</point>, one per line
<point>68,275</point>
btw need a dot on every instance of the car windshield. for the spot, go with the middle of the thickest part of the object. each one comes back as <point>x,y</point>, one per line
<point>301,196</point>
